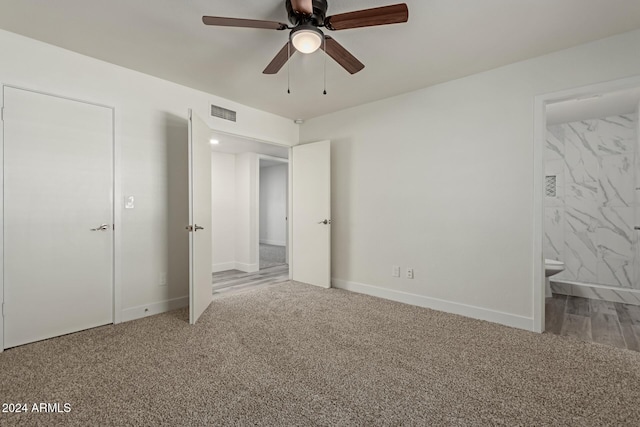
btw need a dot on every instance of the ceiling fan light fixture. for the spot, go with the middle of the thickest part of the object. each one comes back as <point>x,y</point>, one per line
<point>306,38</point>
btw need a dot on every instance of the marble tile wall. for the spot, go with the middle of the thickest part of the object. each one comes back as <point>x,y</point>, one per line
<point>589,224</point>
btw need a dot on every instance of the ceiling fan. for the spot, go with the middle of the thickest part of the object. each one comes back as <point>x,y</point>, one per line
<point>307,17</point>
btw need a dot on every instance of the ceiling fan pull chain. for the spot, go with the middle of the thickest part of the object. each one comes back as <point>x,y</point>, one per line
<point>324,49</point>
<point>289,66</point>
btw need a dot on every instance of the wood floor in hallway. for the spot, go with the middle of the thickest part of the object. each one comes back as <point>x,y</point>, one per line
<point>232,281</point>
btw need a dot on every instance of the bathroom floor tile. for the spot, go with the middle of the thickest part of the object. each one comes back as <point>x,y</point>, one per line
<point>634,313</point>
<point>605,329</point>
<point>604,307</point>
<point>576,326</point>
<point>608,323</point>
<point>578,306</point>
<point>631,336</point>
<point>628,313</point>
<point>554,313</point>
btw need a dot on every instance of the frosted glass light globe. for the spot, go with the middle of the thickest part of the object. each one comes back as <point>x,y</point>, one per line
<point>306,41</point>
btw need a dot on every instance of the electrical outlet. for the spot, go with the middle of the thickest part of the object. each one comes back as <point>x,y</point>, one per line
<point>395,271</point>
<point>409,273</point>
<point>163,279</point>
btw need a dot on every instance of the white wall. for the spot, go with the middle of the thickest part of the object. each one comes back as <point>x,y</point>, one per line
<point>223,211</point>
<point>441,180</point>
<point>235,211</point>
<point>246,212</point>
<point>151,134</point>
<point>273,205</point>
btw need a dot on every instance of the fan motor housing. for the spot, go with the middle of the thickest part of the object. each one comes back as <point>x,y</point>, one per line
<point>317,18</point>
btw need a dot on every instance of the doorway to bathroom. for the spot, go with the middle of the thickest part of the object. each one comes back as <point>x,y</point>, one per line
<point>588,188</point>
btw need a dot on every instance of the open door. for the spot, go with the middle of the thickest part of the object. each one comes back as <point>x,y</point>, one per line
<point>311,219</point>
<point>200,291</point>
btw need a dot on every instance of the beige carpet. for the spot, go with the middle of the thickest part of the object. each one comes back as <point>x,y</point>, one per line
<point>292,354</point>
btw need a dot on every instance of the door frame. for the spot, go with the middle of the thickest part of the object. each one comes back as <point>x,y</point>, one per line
<point>539,138</point>
<point>257,200</point>
<point>116,214</point>
<point>283,161</point>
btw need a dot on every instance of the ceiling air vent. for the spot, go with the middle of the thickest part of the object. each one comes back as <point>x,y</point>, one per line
<point>223,113</point>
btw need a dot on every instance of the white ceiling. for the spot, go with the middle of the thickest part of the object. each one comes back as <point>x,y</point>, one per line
<point>594,107</point>
<point>443,40</point>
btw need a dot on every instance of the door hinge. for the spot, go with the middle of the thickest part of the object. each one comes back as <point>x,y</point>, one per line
<point>2,309</point>
<point>1,114</point>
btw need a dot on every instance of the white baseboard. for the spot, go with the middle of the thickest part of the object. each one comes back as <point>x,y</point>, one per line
<point>247,268</point>
<point>474,312</point>
<point>153,308</point>
<point>273,242</point>
<point>224,266</point>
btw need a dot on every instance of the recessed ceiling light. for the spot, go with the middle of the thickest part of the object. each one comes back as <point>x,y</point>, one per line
<point>214,141</point>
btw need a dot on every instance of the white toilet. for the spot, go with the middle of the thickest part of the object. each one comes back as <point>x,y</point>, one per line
<point>551,268</point>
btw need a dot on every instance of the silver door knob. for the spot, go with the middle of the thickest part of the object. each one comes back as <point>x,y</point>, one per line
<point>325,222</point>
<point>103,227</point>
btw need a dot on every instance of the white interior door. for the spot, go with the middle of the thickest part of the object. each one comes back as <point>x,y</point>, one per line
<point>311,220</point>
<point>58,216</point>
<point>200,287</point>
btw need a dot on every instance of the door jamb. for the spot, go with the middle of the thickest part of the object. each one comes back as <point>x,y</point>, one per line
<point>289,191</point>
<point>539,135</point>
<point>116,194</point>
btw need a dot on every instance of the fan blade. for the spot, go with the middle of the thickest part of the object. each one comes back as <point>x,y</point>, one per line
<point>342,55</point>
<point>280,59</point>
<point>303,6</point>
<point>394,14</point>
<point>245,23</point>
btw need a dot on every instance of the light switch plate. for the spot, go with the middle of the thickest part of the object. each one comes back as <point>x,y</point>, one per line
<point>129,202</point>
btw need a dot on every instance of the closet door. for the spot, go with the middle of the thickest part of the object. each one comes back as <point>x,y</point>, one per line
<point>58,216</point>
